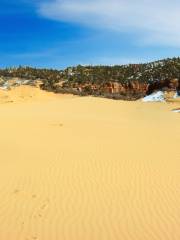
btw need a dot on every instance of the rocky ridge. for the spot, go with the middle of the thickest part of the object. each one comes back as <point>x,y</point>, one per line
<point>128,82</point>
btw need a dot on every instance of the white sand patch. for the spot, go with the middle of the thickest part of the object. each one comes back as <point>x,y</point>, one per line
<point>176,95</point>
<point>176,110</point>
<point>154,97</point>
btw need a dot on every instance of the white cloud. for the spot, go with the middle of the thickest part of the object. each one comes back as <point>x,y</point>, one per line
<point>152,21</point>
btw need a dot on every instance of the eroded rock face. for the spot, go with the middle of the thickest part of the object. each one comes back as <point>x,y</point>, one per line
<point>168,84</point>
<point>131,90</point>
<point>132,87</point>
<point>115,90</point>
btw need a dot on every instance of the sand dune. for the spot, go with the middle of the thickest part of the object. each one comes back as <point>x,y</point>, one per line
<point>27,93</point>
<point>75,168</point>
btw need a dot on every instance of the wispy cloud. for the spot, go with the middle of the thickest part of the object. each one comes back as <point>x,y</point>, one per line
<point>152,21</point>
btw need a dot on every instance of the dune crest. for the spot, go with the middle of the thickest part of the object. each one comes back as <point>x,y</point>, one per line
<point>28,93</point>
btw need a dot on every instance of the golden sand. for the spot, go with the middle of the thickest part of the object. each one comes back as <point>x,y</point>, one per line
<point>75,168</point>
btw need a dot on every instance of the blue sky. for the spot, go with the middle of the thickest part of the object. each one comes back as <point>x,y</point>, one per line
<point>59,33</point>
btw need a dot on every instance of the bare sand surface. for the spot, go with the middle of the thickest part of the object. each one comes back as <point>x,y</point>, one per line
<point>75,168</point>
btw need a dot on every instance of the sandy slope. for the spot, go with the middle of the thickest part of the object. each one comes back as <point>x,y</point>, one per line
<point>27,93</point>
<point>76,168</point>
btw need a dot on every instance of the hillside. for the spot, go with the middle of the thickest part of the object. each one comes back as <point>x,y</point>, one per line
<point>120,82</point>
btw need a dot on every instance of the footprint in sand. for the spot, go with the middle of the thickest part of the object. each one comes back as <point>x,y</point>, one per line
<point>40,212</point>
<point>57,125</point>
<point>32,238</point>
<point>16,191</point>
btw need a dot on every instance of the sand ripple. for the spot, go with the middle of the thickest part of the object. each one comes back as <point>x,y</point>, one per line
<point>89,169</point>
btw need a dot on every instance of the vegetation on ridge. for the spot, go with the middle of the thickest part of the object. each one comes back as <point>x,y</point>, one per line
<point>80,79</point>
